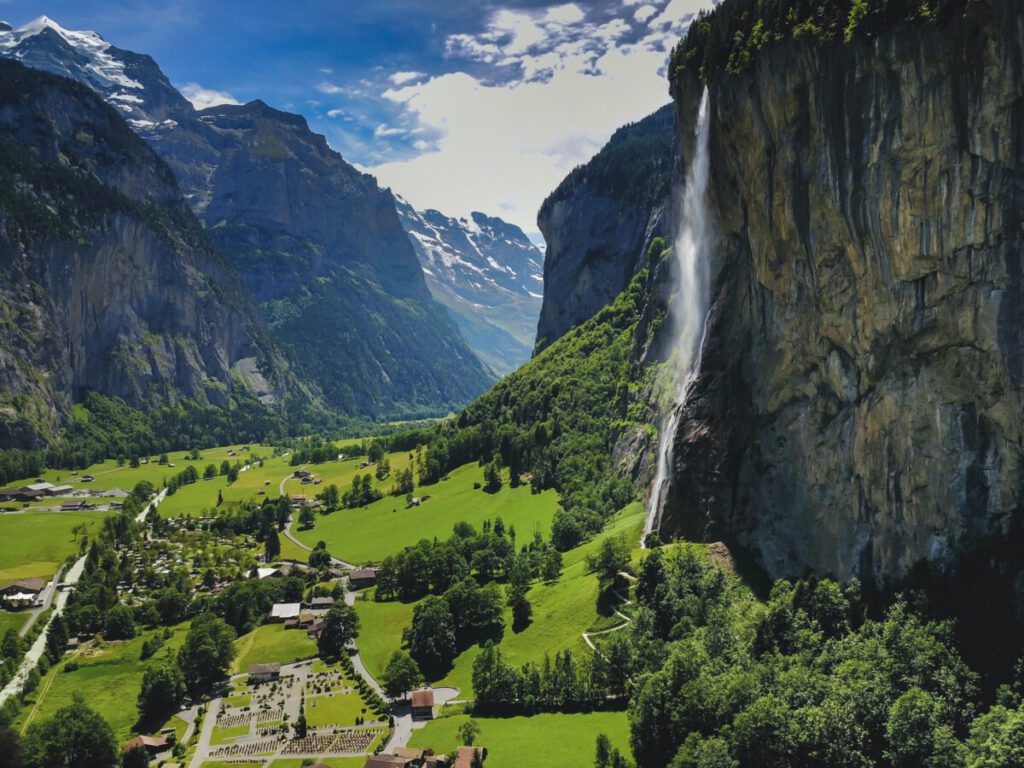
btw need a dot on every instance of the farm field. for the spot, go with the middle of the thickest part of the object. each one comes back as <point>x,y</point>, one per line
<point>269,643</point>
<point>36,543</point>
<point>380,529</point>
<point>108,677</point>
<point>561,612</point>
<point>540,741</point>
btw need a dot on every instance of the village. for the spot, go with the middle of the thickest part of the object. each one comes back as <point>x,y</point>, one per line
<point>281,709</point>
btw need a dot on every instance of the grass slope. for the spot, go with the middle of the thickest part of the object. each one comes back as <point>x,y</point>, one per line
<point>562,611</point>
<point>269,643</point>
<point>384,527</point>
<point>108,678</point>
<point>541,741</point>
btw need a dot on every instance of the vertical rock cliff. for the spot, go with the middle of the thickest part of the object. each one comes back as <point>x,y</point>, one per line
<point>859,409</point>
<point>108,282</point>
<point>598,222</point>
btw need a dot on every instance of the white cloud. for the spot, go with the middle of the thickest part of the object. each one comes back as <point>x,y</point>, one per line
<point>383,131</point>
<point>560,86</point>
<point>203,98</point>
<point>329,88</point>
<point>400,78</point>
<point>644,12</point>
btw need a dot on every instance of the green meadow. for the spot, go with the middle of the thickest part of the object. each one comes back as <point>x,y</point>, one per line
<point>371,533</point>
<point>540,741</point>
<point>562,611</point>
<point>108,475</point>
<point>269,643</point>
<point>108,677</point>
<point>36,543</point>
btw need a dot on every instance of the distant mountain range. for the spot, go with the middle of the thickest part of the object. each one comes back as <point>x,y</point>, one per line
<point>318,246</point>
<point>488,274</point>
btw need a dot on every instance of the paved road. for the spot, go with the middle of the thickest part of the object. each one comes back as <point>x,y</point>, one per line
<point>39,646</point>
<point>203,746</point>
<point>154,502</point>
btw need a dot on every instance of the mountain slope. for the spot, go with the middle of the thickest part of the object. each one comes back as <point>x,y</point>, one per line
<point>488,274</point>
<point>858,406</point>
<point>318,244</point>
<point>109,284</point>
<point>600,220</point>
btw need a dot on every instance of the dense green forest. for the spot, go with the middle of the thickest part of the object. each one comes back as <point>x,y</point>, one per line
<point>725,39</point>
<point>554,420</point>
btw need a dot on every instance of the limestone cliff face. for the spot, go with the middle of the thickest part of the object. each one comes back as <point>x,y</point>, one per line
<point>598,222</point>
<point>860,403</point>
<point>107,281</point>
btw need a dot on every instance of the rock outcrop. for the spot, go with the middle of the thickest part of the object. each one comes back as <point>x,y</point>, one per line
<point>600,220</point>
<point>318,243</point>
<point>108,283</point>
<point>859,409</point>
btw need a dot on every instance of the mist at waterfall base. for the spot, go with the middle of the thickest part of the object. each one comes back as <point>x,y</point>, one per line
<point>689,306</point>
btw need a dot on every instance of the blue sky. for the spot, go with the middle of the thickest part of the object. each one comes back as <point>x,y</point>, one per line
<point>456,104</point>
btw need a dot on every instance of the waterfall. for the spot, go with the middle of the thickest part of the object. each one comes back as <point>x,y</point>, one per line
<point>689,305</point>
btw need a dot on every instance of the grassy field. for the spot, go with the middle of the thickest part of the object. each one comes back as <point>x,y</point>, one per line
<point>541,741</point>
<point>109,678</point>
<point>35,543</point>
<point>193,499</point>
<point>384,527</point>
<point>109,475</point>
<point>269,643</point>
<point>12,620</point>
<point>339,709</point>
<point>292,551</point>
<point>561,612</point>
<point>225,735</point>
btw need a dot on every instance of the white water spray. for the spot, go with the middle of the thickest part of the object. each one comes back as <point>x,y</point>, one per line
<point>689,308</point>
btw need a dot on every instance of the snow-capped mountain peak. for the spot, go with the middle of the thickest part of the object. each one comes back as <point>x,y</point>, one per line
<point>131,83</point>
<point>488,274</point>
<point>100,67</point>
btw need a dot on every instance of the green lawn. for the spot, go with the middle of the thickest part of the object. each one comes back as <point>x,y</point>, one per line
<point>269,643</point>
<point>225,735</point>
<point>541,741</point>
<point>561,612</point>
<point>292,551</point>
<point>12,620</point>
<point>34,544</point>
<point>109,678</point>
<point>384,527</point>
<point>243,700</point>
<point>340,709</point>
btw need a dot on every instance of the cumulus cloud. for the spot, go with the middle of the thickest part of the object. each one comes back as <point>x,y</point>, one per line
<point>533,95</point>
<point>202,98</point>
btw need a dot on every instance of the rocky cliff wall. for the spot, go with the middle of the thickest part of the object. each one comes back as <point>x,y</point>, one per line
<point>108,282</point>
<point>860,404</point>
<point>599,221</point>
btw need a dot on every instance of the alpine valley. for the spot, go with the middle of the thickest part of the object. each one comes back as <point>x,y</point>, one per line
<point>297,470</point>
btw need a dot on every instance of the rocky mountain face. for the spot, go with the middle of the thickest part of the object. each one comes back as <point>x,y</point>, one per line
<point>489,276</point>
<point>859,406</point>
<point>600,220</point>
<point>108,282</point>
<point>318,244</point>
